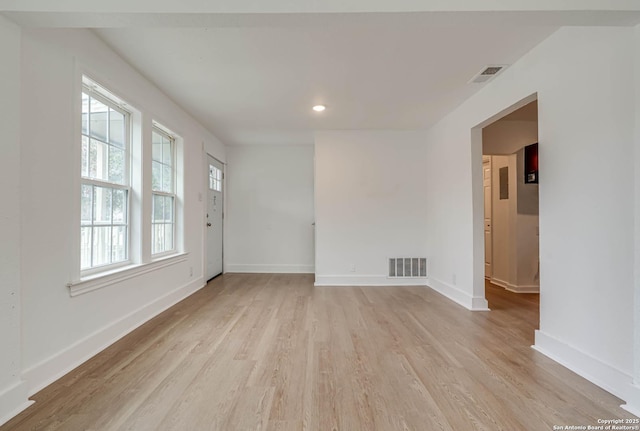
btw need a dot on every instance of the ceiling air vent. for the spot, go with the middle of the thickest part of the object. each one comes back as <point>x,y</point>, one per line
<point>487,73</point>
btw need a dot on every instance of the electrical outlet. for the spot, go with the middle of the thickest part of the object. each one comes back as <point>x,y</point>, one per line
<point>191,271</point>
<point>352,267</point>
<point>453,279</point>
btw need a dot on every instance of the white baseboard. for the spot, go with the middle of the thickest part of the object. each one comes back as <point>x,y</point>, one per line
<point>515,287</point>
<point>262,269</point>
<point>367,280</point>
<point>13,400</point>
<point>51,369</point>
<point>633,400</point>
<point>597,372</point>
<point>473,303</point>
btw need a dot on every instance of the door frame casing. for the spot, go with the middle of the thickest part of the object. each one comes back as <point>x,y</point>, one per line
<point>478,198</point>
<point>205,245</point>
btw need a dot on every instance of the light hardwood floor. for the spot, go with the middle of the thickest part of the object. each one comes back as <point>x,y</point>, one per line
<point>271,352</point>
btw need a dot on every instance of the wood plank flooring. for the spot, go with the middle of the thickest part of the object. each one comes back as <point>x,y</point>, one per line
<point>271,352</point>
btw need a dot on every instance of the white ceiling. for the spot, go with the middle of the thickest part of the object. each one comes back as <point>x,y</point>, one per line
<point>252,78</point>
<point>257,85</point>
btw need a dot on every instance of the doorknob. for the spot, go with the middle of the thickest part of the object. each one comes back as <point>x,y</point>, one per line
<point>208,224</point>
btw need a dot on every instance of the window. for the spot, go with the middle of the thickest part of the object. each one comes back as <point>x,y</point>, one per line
<point>105,182</point>
<point>215,178</point>
<point>163,192</point>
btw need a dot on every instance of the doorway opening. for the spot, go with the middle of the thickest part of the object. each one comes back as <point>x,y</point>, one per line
<point>510,213</point>
<point>214,218</point>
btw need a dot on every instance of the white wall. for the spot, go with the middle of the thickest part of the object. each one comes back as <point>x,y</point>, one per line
<point>635,388</point>
<point>269,216</point>
<point>13,391</point>
<point>586,123</point>
<point>59,331</point>
<point>527,226</point>
<point>514,225</point>
<point>502,223</point>
<point>370,204</point>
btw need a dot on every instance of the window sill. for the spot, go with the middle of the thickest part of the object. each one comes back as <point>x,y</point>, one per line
<point>104,279</point>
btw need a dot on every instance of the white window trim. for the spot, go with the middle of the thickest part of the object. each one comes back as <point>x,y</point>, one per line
<point>174,250</point>
<point>112,101</point>
<point>162,130</point>
<point>117,275</point>
<point>140,261</point>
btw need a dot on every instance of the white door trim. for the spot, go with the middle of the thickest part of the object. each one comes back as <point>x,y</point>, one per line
<point>204,213</point>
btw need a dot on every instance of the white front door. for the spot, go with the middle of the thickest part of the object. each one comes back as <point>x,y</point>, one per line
<point>214,218</point>
<point>486,171</point>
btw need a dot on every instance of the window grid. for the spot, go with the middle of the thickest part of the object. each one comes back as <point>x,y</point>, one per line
<point>163,192</point>
<point>105,189</point>
<point>215,178</point>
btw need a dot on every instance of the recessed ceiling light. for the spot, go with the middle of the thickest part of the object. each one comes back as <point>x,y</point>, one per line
<point>319,108</point>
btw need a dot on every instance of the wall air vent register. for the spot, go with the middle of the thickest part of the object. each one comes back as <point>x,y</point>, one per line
<point>407,267</point>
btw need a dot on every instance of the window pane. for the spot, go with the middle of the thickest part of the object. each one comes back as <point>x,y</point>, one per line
<point>156,176</point>
<point>167,154</point>
<point>85,247</point>
<point>168,236</point>
<point>156,146</point>
<point>158,238</point>
<point>116,165</point>
<point>116,128</point>
<point>86,204</point>
<point>101,245</point>
<point>98,119</point>
<point>84,171</point>
<point>212,177</point>
<point>104,163</point>
<point>93,159</point>
<point>119,206</point>
<point>102,205</point>
<point>98,160</point>
<point>168,208</point>
<point>85,114</point>
<point>158,210</point>
<point>167,179</point>
<point>119,244</point>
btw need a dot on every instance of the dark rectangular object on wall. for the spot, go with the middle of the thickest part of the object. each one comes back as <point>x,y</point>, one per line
<point>531,164</point>
<point>503,174</point>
